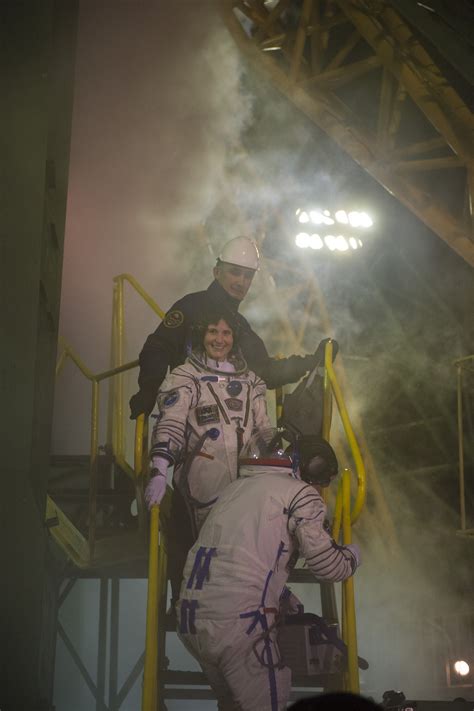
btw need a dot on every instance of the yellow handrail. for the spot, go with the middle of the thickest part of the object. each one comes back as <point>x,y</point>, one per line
<point>348,600</point>
<point>156,590</point>
<point>144,294</point>
<point>118,331</point>
<point>359,464</point>
<point>95,379</point>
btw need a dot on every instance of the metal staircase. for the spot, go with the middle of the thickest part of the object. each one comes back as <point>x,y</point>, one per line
<point>89,516</point>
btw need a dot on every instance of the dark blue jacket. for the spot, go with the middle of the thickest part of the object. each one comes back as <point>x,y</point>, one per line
<point>167,347</point>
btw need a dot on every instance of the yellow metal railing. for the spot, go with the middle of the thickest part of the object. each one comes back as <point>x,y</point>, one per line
<point>331,387</point>
<point>342,517</point>
<point>157,586</point>
<point>95,379</point>
<point>345,515</point>
<point>117,406</point>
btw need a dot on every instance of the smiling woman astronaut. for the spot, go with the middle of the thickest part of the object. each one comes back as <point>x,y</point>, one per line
<point>208,409</point>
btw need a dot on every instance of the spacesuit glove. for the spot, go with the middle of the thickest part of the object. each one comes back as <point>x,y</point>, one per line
<point>156,487</point>
<point>354,550</point>
<point>320,351</point>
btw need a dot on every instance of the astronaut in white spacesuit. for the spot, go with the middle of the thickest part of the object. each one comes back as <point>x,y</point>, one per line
<point>208,409</point>
<point>235,573</point>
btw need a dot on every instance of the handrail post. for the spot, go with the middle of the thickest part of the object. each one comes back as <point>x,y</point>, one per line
<point>111,419</point>
<point>93,482</point>
<point>119,354</point>
<point>327,393</point>
<point>141,438</point>
<point>349,620</point>
<point>328,597</point>
<point>359,464</point>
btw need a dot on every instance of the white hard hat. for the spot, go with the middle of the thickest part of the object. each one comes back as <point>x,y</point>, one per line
<point>241,251</point>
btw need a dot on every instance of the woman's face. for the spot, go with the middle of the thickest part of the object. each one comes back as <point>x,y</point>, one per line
<point>218,340</point>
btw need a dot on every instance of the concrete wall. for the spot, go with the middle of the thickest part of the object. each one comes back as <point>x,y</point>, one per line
<point>38,46</point>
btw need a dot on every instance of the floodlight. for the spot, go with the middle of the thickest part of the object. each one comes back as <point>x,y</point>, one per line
<point>302,239</point>
<point>354,219</point>
<point>315,242</point>
<point>365,220</point>
<point>316,217</point>
<point>461,667</point>
<point>341,216</point>
<point>349,224</point>
<point>330,242</point>
<point>341,243</point>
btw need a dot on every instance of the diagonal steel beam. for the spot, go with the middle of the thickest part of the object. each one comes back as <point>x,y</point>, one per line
<point>415,75</point>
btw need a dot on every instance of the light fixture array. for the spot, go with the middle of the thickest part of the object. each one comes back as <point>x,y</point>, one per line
<point>338,232</point>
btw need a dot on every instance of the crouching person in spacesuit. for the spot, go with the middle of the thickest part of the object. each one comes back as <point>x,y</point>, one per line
<point>208,409</point>
<point>235,573</point>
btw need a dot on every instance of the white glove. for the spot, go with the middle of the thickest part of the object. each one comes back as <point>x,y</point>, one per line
<point>354,549</point>
<point>156,488</point>
<point>161,464</point>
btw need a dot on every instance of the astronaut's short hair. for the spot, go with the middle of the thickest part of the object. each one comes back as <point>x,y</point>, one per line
<point>212,316</point>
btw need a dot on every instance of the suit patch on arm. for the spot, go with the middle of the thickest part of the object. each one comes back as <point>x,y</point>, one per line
<point>207,414</point>
<point>170,399</point>
<point>173,319</point>
<point>234,404</point>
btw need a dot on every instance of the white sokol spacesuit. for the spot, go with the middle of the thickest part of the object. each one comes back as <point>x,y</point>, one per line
<point>235,575</point>
<point>207,412</point>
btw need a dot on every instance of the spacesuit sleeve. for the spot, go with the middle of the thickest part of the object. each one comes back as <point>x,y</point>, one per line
<point>259,405</point>
<point>274,371</point>
<point>327,560</point>
<point>178,394</point>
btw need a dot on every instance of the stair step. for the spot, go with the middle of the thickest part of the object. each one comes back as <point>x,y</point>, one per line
<point>69,460</point>
<point>183,679</point>
<point>79,495</point>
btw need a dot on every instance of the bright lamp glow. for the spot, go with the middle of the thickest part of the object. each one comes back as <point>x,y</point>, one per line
<point>365,220</point>
<point>341,243</point>
<point>341,216</point>
<point>354,219</point>
<point>348,222</point>
<point>316,217</point>
<point>461,667</point>
<point>302,240</point>
<point>315,242</point>
<point>330,242</point>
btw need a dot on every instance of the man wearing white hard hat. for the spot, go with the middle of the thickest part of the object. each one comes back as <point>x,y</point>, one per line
<point>170,344</point>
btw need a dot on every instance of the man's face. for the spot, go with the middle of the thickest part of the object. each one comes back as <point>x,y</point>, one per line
<point>234,279</point>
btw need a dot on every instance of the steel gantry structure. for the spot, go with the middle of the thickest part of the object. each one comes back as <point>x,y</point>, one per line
<point>364,76</point>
